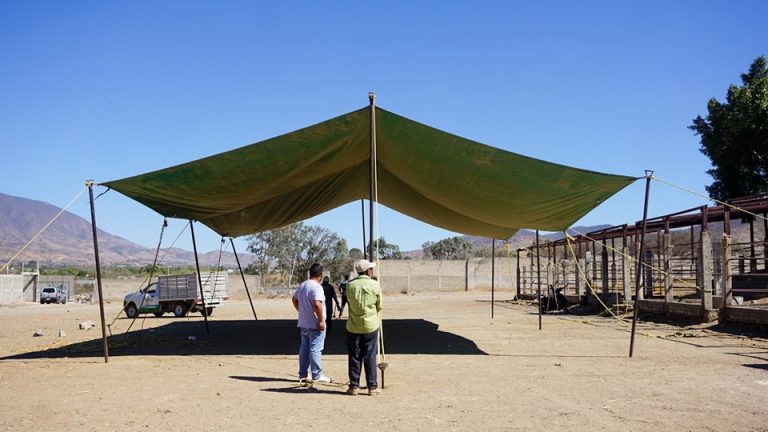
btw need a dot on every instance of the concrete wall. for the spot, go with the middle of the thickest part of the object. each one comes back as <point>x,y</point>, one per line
<point>413,276</point>
<point>745,314</point>
<point>11,289</point>
<point>396,276</point>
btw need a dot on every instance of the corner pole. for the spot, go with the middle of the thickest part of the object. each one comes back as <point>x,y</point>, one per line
<point>493,273</point>
<point>89,184</point>
<point>199,279</point>
<point>638,274</point>
<point>232,242</point>
<point>538,275</point>
<point>372,172</point>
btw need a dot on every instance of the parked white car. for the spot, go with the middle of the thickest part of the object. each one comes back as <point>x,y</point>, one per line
<point>53,294</point>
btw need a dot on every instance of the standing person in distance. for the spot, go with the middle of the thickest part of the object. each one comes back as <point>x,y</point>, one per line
<point>364,297</point>
<point>309,301</point>
<point>343,292</point>
<point>330,293</point>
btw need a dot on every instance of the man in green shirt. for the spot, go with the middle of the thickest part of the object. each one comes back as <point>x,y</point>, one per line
<point>364,298</point>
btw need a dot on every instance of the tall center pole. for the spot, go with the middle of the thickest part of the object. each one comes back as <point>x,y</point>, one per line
<point>362,214</point>
<point>640,270</point>
<point>372,172</point>
<point>538,275</point>
<point>89,184</point>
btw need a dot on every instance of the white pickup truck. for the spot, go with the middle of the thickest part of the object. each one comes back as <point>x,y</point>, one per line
<point>179,294</point>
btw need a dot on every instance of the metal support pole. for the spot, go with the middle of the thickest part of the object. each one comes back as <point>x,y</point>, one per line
<point>89,184</point>
<point>362,213</point>
<point>639,273</point>
<point>372,172</point>
<point>232,242</point>
<point>199,279</point>
<point>493,273</point>
<point>538,275</point>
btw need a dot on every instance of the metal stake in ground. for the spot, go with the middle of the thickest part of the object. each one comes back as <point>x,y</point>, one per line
<point>382,366</point>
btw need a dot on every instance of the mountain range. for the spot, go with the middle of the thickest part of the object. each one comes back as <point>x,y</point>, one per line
<point>68,240</point>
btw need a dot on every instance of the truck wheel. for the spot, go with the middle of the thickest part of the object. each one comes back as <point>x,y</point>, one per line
<point>158,314</point>
<point>131,311</point>
<point>207,311</point>
<point>180,309</point>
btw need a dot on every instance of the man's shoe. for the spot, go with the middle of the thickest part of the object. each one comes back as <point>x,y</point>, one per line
<point>374,392</point>
<point>352,391</point>
<point>323,380</point>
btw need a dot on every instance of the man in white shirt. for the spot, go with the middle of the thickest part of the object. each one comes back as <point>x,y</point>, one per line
<point>309,301</point>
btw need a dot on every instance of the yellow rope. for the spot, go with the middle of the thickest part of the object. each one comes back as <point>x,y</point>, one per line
<point>583,274</point>
<point>43,229</point>
<point>685,283</point>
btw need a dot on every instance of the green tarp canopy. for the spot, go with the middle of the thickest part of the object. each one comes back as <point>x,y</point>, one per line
<point>433,176</point>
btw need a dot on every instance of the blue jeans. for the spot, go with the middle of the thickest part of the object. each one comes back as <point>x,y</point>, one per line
<point>312,343</point>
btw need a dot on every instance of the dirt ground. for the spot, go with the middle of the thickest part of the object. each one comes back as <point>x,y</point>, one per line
<point>451,367</point>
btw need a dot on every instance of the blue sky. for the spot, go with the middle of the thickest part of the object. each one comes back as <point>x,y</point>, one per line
<point>106,90</point>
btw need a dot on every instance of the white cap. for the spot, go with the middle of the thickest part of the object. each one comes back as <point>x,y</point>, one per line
<point>363,265</point>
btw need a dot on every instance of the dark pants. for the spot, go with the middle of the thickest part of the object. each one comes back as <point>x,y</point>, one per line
<point>328,320</point>
<point>362,350</point>
<point>343,303</point>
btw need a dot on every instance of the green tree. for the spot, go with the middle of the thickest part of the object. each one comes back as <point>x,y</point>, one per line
<point>387,250</point>
<point>277,250</point>
<point>454,248</point>
<point>734,136</point>
<point>291,250</point>
<point>340,262</point>
<point>317,245</point>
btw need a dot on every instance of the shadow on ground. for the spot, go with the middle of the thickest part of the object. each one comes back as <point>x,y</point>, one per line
<point>263,337</point>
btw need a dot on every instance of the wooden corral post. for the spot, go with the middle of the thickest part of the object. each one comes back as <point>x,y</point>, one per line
<point>588,279</point>
<point>669,295</point>
<point>604,268</point>
<point>705,246</point>
<point>466,275</point>
<point>641,268</point>
<point>564,265</point>
<point>726,272</point>
<point>581,281</point>
<point>517,276</point>
<point>626,273</point>
<point>531,256</point>
<point>551,273</point>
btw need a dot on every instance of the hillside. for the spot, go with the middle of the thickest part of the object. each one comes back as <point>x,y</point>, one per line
<point>68,240</point>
